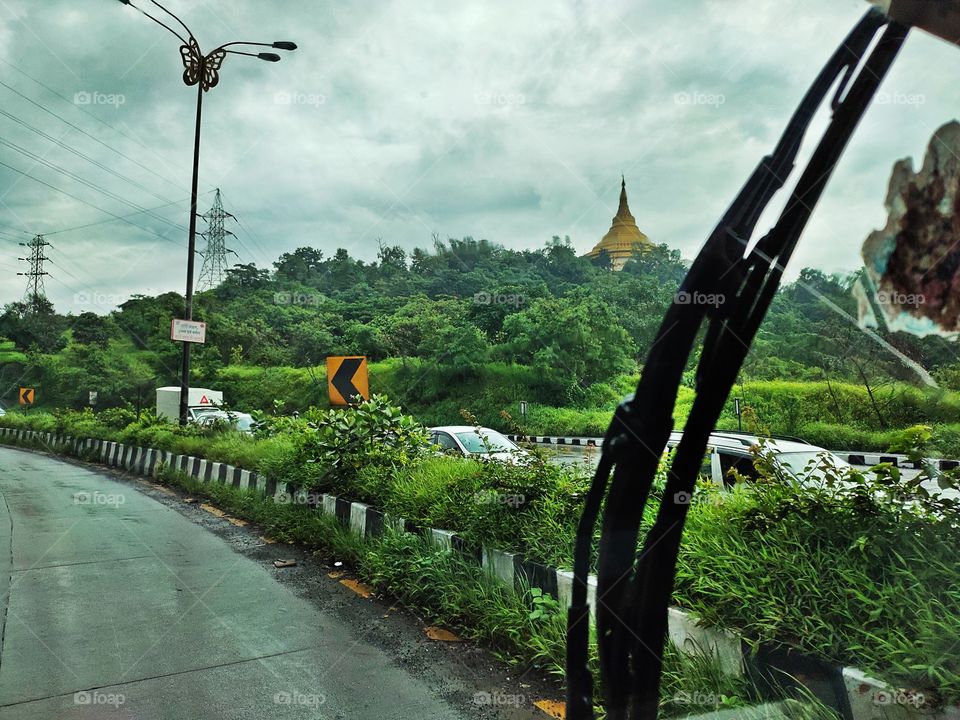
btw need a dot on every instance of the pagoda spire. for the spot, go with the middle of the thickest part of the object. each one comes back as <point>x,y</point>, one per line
<point>624,237</point>
<point>623,212</point>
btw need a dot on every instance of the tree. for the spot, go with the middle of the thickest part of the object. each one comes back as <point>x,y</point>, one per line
<point>92,329</point>
<point>603,260</point>
<point>344,271</point>
<point>434,330</point>
<point>657,261</point>
<point>392,258</point>
<point>146,320</point>
<point>301,265</point>
<point>40,328</point>
<point>247,276</point>
<point>577,338</point>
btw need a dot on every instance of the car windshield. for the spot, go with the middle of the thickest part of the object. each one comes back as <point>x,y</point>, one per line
<point>239,421</point>
<point>485,441</point>
<point>799,464</point>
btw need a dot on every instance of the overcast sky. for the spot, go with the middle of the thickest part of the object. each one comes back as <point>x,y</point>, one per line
<point>510,121</point>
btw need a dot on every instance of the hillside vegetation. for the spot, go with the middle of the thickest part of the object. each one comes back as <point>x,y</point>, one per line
<point>469,325</point>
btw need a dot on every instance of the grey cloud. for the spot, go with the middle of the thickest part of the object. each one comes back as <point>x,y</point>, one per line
<point>505,120</point>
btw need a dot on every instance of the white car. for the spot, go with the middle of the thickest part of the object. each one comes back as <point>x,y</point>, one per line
<point>198,412</point>
<point>727,450</point>
<point>241,422</point>
<point>481,443</point>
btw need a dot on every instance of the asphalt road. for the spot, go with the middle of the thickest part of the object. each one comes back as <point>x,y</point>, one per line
<point>120,600</point>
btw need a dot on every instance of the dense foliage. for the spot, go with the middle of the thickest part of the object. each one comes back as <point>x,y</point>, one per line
<point>453,310</point>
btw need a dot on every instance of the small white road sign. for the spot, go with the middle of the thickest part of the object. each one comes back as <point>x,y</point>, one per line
<point>188,331</point>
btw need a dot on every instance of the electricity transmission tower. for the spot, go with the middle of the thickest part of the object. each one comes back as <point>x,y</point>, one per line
<point>35,293</point>
<point>214,267</point>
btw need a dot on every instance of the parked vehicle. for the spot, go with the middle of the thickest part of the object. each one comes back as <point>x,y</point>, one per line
<point>241,422</point>
<point>482,443</point>
<point>195,413</point>
<point>199,400</point>
<point>728,450</point>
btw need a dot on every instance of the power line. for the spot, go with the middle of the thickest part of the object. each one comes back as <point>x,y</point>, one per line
<point>76,178</point>
<point>68,148</point>
<point>74,105</point>
<point>84,132</point>
<point>122,217</point>
<point>90,204</point>
<point>253,239</point>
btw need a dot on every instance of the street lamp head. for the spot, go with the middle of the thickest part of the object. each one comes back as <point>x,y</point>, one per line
<point>269,57</point>
<point>283,45</point>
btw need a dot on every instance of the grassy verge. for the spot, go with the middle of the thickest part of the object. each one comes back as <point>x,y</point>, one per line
<point>839,416</point>
<point>837,580</point>
<point>831,415</point>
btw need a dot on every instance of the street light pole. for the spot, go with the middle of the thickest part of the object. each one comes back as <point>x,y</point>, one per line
<point>191,255</point>
<point>204,72</point>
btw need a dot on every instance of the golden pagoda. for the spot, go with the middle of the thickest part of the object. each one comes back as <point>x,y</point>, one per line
<point>624,237</point>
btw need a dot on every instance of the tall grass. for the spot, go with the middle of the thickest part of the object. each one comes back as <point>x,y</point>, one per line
<point>836,581</point>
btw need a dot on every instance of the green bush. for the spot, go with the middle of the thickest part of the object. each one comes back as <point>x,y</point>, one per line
<point>341,443</point>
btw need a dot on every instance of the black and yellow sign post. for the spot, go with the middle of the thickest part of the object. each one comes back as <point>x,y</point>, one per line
<point>346,379</point>
<point>26,397</point>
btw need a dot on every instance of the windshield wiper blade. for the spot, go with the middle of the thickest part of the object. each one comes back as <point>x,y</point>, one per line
<point>633,591</point>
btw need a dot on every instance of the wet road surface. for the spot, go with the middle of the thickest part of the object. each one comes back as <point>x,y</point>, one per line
<point>119,600</point>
